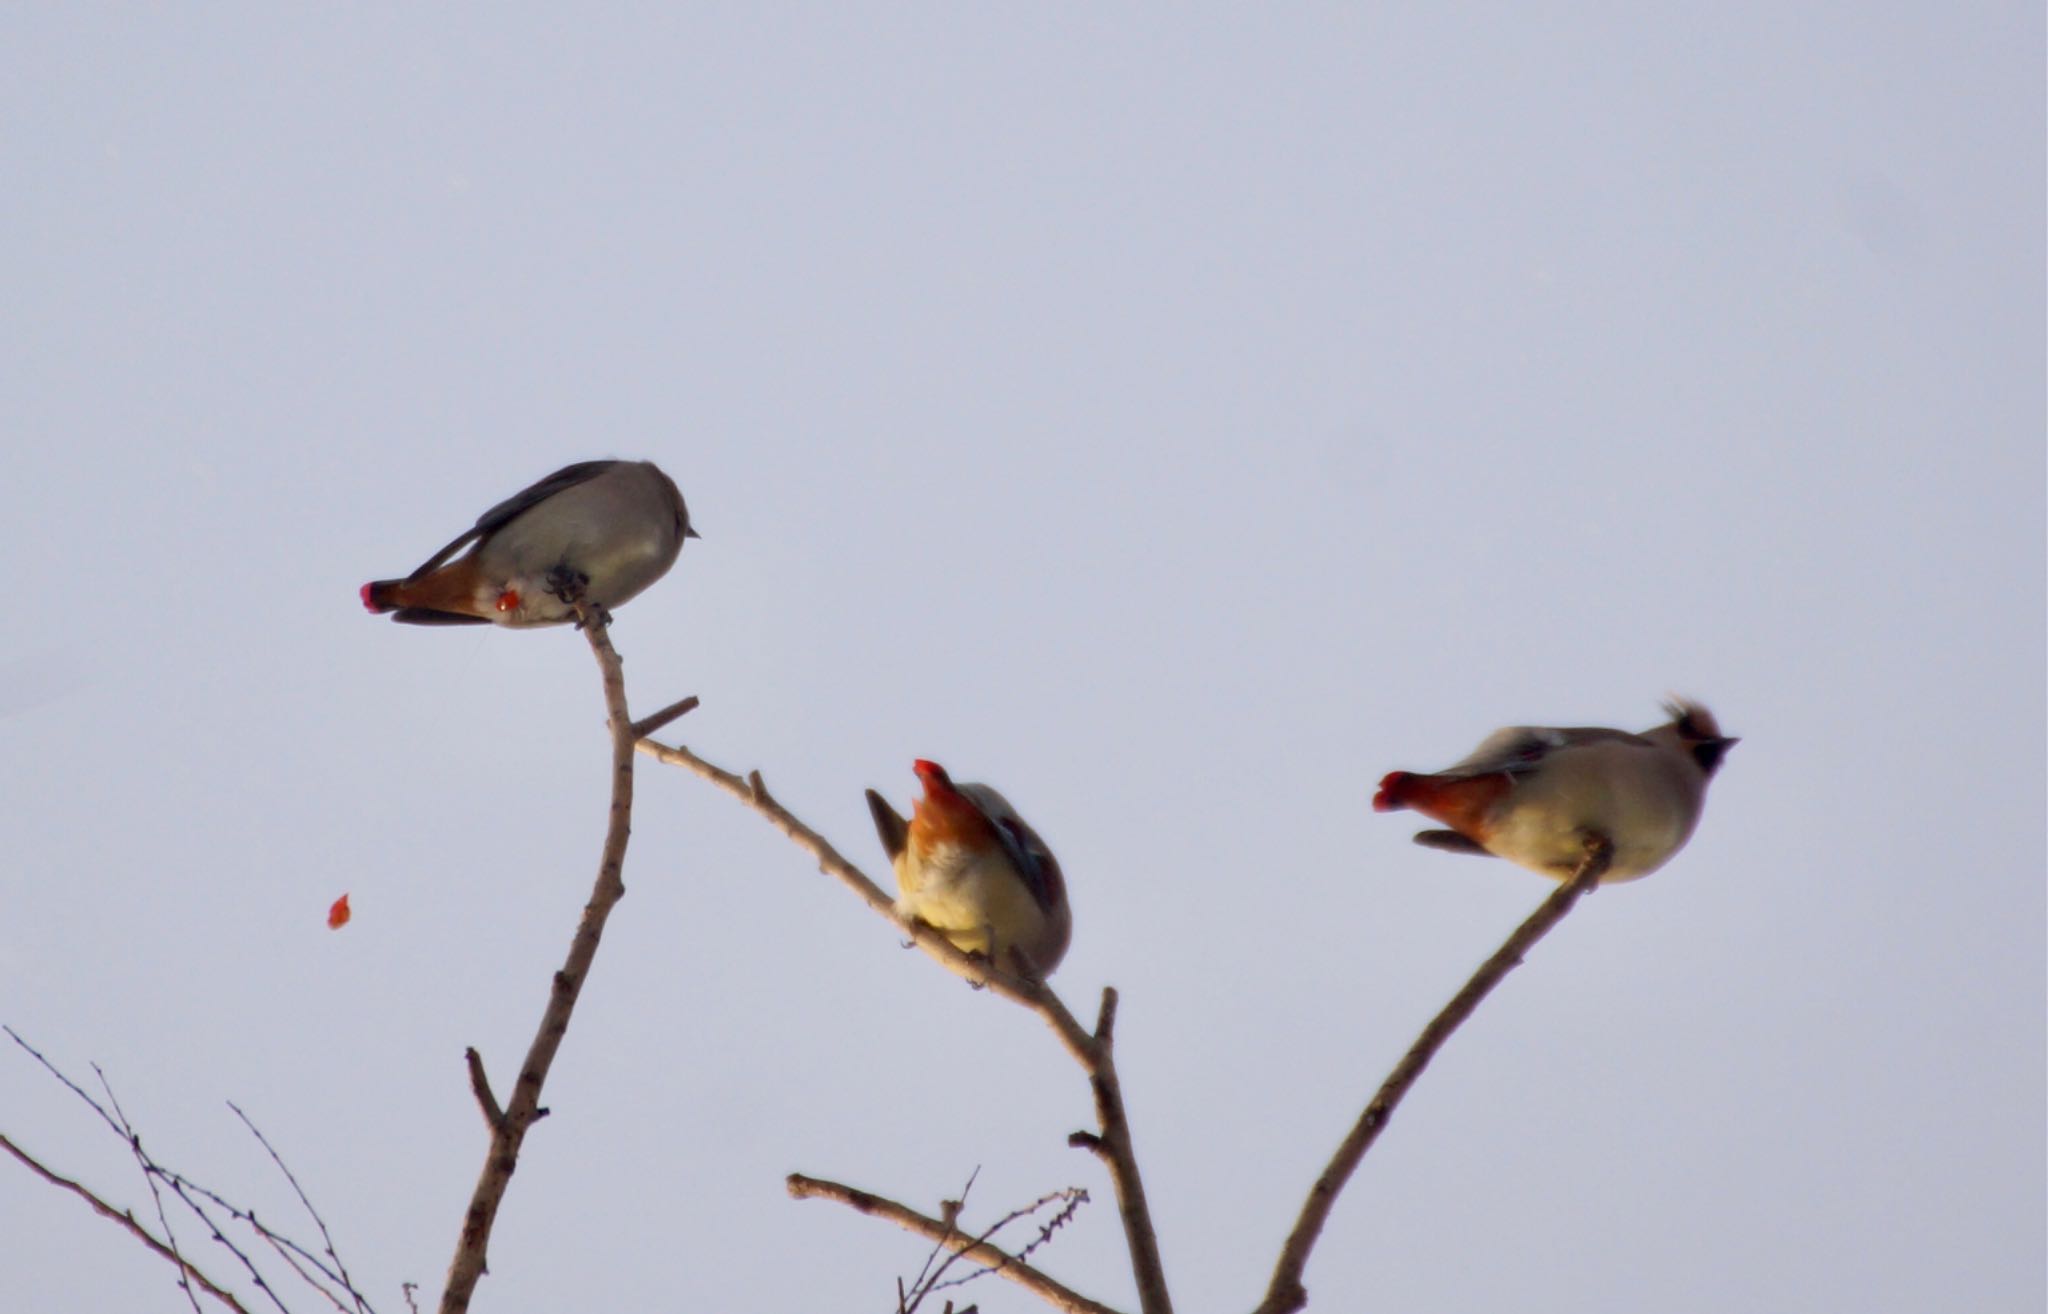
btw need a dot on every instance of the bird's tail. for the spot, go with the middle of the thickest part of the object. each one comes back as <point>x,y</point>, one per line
<point>1460,802</point>
<point>1392,797</point>
<point>382,595</point>
<point>440,597</point>
<point>889,825</point>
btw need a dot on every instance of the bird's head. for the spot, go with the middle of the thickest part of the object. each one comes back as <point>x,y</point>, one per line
<point>1696,731</point>
<point>944,815</point>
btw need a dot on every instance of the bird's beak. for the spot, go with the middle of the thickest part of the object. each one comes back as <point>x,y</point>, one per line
<point>689,531</point>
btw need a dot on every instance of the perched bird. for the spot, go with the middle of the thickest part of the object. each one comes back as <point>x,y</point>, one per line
<point>1532,794</point>
<point>610,528</point>
<point>968,866</point>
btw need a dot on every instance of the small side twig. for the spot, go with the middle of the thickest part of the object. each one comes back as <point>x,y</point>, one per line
<point>945,1233</point>
<point>1070,1200</point>
<point>186,1269</point>
<point>480,1086</point>
<point>647,725</point>
<point>1286,1293</point>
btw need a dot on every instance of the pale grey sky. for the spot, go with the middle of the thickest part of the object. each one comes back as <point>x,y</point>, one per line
<point>1176,417</point>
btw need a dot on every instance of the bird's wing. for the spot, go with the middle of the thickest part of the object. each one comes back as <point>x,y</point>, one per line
<point>1520,749</point>
<point>1027,852</point>
<point>512,507</point>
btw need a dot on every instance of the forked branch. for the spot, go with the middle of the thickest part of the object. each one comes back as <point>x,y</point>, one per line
<point>509,1125</point>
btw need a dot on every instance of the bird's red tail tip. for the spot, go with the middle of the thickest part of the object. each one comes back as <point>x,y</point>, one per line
<point>1391,787</point>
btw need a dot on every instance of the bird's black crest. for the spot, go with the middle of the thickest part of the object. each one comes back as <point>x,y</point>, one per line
<point>1693,721</point>
<point>1701,734</point>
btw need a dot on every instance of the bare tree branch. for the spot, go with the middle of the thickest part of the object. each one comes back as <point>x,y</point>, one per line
<point>295,1256</point>
<point>1113,1147</point>
<point>1286,1293</point>
<point>948,1235</point>
<point>152,1171</point>
<point>185,1190</point>
<point>509,1126</point>
<point>1092,1050</point>
<point>186,1269</point>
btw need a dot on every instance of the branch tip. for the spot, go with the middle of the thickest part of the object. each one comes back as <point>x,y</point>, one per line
<point>647,725</point>
<point>480,1086</point>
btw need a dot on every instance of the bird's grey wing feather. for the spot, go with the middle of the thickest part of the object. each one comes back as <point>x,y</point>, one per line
<point>512,507</point>
<point>1033,860</point>
<point>1029,854</point>
<point>1519,749</point>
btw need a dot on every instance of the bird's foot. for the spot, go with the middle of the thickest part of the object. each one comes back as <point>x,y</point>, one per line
<point>566,584</point>
<point>572,587</point>
<point>1599,851</point>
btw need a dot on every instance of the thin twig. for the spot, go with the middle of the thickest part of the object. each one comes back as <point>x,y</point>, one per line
<point>509,1129</point>
<point>949,1214</point>
<point>295,1256</point>
<point>1072,1198</point>
<point>994,1257</point>
<point>291,1252</point>
<point>154,1172</point>
<point>185,1267</point>
<point>326,1237</point>
<point>179,1188</point>
<point>1092,1050</point>
<point>1286,1292</point>
<point>69,1084</point>
<point>149,1179</point>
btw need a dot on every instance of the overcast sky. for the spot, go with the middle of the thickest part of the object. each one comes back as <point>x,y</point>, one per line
<point>1176,417</point>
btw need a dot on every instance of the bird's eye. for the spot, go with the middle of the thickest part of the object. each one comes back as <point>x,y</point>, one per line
<point>508,600</point>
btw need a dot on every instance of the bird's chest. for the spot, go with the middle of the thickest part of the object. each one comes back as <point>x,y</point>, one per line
<point>1543,824</point>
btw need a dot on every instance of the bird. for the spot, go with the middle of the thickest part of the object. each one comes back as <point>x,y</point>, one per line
<point>1535,795</point>
<point>969,867</point>
<point>601,530</point>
